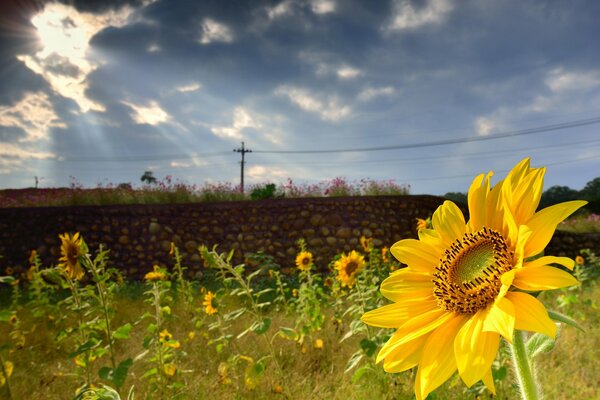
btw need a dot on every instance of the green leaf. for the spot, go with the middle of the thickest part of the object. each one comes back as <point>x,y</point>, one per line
<point>359,373</point>
<point>261,327</point>
<point>6,279</point>
<point>233,315</point>
<point>354,360</point>
<point>564,319</point>
<point>120,373</point>
<point>539,343</point>
<point>150,372</point>
<point>90,344</point>
<point>253,375</point>
<point>5,315</point>
<point>288,333</point>
<point>122,332</point>
<point>368,346</point>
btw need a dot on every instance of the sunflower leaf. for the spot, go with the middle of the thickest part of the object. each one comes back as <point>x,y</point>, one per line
<point>564,319</point>
<point>539,343</point>
<point>354,360</point>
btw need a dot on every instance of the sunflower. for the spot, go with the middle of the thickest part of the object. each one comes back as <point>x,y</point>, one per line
<point>157,274</point>
<point>366,244</point>
<point>466,283</point>
<point>348,266</point>
<point>210,303</point>
<point>71,249</point>
<point>304,260</point>
<point>579,260</point>
<point>422,224</point>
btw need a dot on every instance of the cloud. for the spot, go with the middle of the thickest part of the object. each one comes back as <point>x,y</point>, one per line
<point>64,60</point>
<point>262,173</point>
<point>323,6</point>
<point>347,72</point>
<point>484,125</point>
<point>370,93</point>
<point>152,114</point>
<point>213,31</point>
<point>328,109</point>
<point>34,114</point>
<point>192,87</point>
<point>242,119</point>
<point>560,80</point>
<point>408,17</point>
<point>280,10</point>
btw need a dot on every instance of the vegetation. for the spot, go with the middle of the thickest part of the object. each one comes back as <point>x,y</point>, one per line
<point>247,331</point>
<point>169,191</point>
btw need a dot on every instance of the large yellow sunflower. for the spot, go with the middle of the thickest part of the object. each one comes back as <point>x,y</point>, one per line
<point>304,260</point>
<point>348,266</point>
<point>466,283</point>
<point>70,251</point>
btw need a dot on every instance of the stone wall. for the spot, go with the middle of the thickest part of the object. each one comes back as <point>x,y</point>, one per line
<point>139,236</point>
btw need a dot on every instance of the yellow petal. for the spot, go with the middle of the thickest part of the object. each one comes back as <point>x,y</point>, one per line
<point>405,356</point>
<point>476,200</point>
<point>494,208</point>
<point>488,381</point>
<point>414,328</point>
<point>474,349</point>
<point>449,222</point>
<point>523,235</point>
<point>547,260</point>
<point>531,315</point>
<point>416,254</point>
<point>543,224</point>
<point>438,362</point>
<point>405,284</point>
<point>501,318</point>
<point>395,315</point>
<point>542,277</point>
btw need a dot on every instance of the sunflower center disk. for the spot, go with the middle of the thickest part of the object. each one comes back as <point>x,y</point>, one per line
<point>468,276</point>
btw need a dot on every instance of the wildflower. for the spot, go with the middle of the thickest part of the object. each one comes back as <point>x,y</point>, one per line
<point>385,254</point>
<point>466,282</point>
<point>165,335</point>
<point>156,275</point>
<point>173,344</point>
<point>277,388</point>
<point>71,249</point>
<point>318,344</point>
<point>366,243</point>
<point>210,303</point>
<point>304,260</point>
<point>294,292</point>
<point>223,373</point>
<point>579,260</point>
<point>421,224</point>
<point>8,369</point>
<point>191,335</point>
<point>170,369</point>
<point>348,266</point>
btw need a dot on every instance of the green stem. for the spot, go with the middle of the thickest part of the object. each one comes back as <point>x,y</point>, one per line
<point>524,368</point>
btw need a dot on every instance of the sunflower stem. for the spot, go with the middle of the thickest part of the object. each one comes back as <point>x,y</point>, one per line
<point>524,368</point>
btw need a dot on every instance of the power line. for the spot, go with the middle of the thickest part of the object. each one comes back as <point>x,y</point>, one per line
<point>522,132</point>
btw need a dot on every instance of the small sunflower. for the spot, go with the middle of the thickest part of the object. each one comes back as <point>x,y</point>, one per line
<point>157,274</point>
<point>348,266</point>
<point>165,335</point>
<point>318,344</point>
<point>385,254</point>
<point>579,260</point>
<point>9,271</point>
<point>366,244</point>
<point>170,369</point>
<point>304,260</point>
<point>8,367</point>
<point>210,303</point>
<point>467,283</point>
<point>422,224</point>
<point>71,249</point>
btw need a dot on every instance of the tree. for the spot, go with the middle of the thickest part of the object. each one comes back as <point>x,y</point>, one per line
<point>148,177</point>
<point>457,197</point>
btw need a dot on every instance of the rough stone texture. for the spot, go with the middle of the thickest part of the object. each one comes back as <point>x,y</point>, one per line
<point>140,235</point>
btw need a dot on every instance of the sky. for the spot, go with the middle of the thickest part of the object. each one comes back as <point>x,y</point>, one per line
<point>424,93</point>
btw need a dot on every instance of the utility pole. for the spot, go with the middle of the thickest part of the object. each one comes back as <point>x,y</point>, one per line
<point>243,150</point>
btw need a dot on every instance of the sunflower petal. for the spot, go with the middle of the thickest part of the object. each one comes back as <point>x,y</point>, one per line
<point>405,284</point>
<point>476,200</point>
<point>543,224</point>
<point>396,314</point>
<point>488,381</point>
<point>547,260</point>
<point>449,222</point>
<point>416,254</point>
<point>474,349</point>
<point>542,277</point>
<point>501,318</point>
<point>531,315</point>
<point>405,356</point>
<point>438,362</point>
<point>414,328</point>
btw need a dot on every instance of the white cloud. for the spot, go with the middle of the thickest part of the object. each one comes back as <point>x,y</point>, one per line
<point>484,126</point>
<point>560,80</point>
<point>322,6</point>
<point>280,10</point>
<point>262,173</point>
<point>193,162</point>
<point>154,48</point>
<point>192,87</point>
<point>213,31</point>
<point>329,109</point>
<point>370,93</point>
<point>64,60</point>
<point>152,114</point>
<point>408,17</point>
<point>34,114</point>
<point>347,72</point>
<point>242,119</point>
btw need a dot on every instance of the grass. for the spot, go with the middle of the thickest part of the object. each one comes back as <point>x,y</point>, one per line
<point>581,224</point>
<point>42,370</point>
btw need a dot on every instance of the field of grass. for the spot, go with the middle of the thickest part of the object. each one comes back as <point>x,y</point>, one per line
<point>244,333</point>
